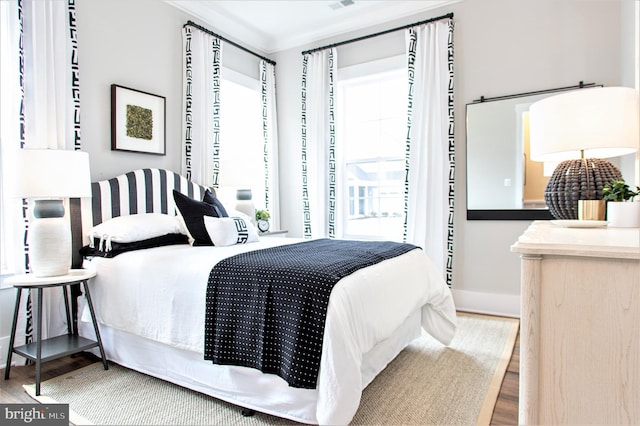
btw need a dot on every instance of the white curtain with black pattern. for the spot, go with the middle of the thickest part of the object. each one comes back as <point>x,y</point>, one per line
<point>270,136</point>
<point>430,161</point>
<point>52,93</point>
<point>201,106</point>
<point>319,143</point>
<point>40,88</point>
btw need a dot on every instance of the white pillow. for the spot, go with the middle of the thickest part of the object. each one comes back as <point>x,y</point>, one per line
<point>237,213</point>
<point>135,227</point>
<point>227,231</point>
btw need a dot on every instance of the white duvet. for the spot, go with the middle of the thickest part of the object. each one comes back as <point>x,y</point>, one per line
<point>159,294</point>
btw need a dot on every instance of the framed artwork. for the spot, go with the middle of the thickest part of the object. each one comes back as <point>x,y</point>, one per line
<point>138,121</point>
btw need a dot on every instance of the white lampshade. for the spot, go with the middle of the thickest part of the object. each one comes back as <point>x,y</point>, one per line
<point>48,174</point>
<point>47,177</point>
<point>601,122</point>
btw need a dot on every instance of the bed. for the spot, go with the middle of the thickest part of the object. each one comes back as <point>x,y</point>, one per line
<point>149,302</point>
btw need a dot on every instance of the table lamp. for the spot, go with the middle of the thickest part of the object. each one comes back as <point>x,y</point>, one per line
<point>581,128</point>
<point>245,204</point>
<point>48,176</point>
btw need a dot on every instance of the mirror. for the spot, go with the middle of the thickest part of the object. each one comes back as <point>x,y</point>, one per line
<point>502,182</point>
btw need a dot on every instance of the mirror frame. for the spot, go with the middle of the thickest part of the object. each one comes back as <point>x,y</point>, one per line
<point>510,214</point>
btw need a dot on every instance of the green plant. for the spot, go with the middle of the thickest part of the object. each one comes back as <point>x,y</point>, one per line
<point>262,215</point>
<point>618,190</point>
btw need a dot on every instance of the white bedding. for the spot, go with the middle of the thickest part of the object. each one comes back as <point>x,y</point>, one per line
<point>158,294</point>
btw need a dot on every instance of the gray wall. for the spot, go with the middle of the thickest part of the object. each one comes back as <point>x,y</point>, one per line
<point>135,44</point>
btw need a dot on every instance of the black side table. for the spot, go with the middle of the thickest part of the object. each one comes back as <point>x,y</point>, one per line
<point>41,350</point>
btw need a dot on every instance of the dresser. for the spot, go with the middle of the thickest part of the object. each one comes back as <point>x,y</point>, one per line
<point>580,325</point>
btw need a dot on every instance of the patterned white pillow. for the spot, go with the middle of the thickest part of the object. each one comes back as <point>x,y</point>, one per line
<point>227,231</point>
<point>237,213</point>
<point>135,227</point>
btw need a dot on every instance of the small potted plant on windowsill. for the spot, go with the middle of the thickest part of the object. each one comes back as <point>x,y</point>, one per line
<point>262,217</point>
<point>622,211</point>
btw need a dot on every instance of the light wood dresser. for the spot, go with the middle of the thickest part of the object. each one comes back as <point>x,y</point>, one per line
<point>580,325</point>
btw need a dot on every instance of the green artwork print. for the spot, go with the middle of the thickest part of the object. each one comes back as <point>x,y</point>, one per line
<point>139,122</point>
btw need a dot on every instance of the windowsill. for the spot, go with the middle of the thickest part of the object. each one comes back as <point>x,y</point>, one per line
<point>279,233</point>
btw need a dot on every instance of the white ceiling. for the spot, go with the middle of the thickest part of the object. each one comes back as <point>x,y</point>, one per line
<point>275,25</point>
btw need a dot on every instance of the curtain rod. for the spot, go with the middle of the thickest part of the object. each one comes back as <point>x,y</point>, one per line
<point>201,28</point>
<point>447,16</point>
<point>580,85</point>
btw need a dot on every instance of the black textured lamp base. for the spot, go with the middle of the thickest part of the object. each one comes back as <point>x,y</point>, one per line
<point>575,180</point>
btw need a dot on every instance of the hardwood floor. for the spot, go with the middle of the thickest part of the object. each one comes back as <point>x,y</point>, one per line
<point>11,391</point>
<point>506,409</point>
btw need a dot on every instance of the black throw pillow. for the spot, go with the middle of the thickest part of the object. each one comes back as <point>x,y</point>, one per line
<point>209,198</point>
<point>193,211</point>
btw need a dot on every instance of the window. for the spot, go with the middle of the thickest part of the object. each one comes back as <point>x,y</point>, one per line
<point>372,114</point>
<point>241,138</point>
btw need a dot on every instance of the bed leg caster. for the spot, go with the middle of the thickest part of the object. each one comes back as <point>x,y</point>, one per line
<point>248,413</point>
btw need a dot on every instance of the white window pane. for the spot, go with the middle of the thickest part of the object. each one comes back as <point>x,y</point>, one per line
<point>372,138</point>
<point>376,197</point>
<point>241,142</point>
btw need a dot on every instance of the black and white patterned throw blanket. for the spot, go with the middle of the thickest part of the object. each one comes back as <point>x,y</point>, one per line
<point>266,309</point>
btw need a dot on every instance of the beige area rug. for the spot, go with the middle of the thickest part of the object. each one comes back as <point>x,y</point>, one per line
<point>426,384</point>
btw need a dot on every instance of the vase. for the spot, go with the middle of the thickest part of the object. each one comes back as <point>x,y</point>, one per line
<point>591,209</point>
<point>623,214</point>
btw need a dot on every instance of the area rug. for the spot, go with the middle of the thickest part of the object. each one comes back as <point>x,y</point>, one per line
<point>427,384</point>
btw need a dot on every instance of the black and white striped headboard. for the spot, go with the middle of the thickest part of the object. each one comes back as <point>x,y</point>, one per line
<point>139,191</point>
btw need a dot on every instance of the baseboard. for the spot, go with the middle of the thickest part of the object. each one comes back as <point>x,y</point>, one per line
<point>505,305</point>
<point>4,346</point>
<point>4,349</point>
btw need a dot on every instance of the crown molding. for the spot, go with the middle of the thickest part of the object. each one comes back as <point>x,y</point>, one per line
<point>220,20</point>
